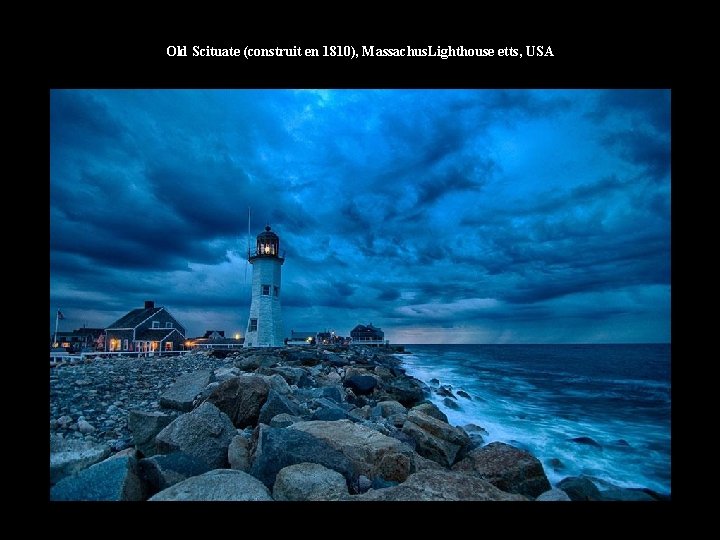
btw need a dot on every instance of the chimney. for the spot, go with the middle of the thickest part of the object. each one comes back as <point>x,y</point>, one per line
<point>149,304</point>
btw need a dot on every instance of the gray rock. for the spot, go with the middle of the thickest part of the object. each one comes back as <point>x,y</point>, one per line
<point>390,408</point>
<point>463,393</point>
<point>431,410</point>
<point>440,485</point>
<point>293,375</point>
<point>451,404</point>
<point>284,420</point>
<point>309,482</point>
<point>333,393</point>
<point>328,410</point>
<point>115,479</point>
<point>182,393</point>
<point>162,471</point>
<point>508,468</point>
<point>553,495</point>
<point>241,399</point>
<point>216,485</point>
<point>204,433</point>
<point>407,390</point>
<point>435,439</point>
<point>589,441</point>
<point>277,383</point>
<point>364,483</point>
<point>239,454</point>
<point>397,420</point>
<point>368,451</point>
<point>144,426</point>
<point>277,448</point>
<point>579,488</point>
<point>361,385</point>
<point>225,373</point>
<point>69,456</point>
<point>84,426</point>
<point>276,404</point>
<point>472,429</point>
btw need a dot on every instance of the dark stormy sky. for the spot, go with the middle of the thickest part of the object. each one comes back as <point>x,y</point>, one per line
<point>441,216</point>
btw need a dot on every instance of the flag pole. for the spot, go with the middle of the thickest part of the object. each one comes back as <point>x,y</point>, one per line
<point>57,315</point>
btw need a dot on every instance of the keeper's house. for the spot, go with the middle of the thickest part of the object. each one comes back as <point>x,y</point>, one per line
<point>146,329</point>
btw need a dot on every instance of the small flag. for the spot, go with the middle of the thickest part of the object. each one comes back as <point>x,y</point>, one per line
<point>60,315</point>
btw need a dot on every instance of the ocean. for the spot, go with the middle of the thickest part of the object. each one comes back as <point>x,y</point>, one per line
<point>539,397</point>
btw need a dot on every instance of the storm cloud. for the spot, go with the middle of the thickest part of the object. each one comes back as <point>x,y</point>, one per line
<point>443,216</point>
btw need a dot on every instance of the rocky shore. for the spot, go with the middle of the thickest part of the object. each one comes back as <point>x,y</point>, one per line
<point>278,424</point>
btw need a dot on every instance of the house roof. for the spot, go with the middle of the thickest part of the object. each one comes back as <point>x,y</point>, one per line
<point>155,334</point>
<point>134,318</point>
<point>361,328</point>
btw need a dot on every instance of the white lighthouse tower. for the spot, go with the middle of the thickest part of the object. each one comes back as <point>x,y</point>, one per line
<point>265,328</point>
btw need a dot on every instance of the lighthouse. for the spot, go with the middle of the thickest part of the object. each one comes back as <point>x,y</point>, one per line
<point>265,328</point>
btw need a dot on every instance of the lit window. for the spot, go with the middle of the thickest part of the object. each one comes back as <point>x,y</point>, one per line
<point>266,290</point>
<point>156,324</point>
<point>168,345</point>
<point>253,325</point>
<point>276,290</point>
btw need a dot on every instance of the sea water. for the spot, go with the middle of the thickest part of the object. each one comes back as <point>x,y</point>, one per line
<point>540,397</point>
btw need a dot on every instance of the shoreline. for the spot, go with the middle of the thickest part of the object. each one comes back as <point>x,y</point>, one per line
<point>278,417</point>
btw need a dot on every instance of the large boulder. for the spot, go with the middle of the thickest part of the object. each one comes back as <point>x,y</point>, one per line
<point>277,383</point>
<point>69,456</point>
<point>328,410</point>
<point>204,433</point>
<point>390,408</point>
<point>115,479</point>
<point>579,488</point>
<point>144,426</point>
<point>292,375</point>
<point>162,471</point>
<point>276,404</point>
<point>431,410</point>
<point>361,385</point>
<point>435,439</point>
<point>407,390</point>
<point>276,448</point>
<point>216,485</point>
<point>241,399</point>
<point>370,453</point>
<point>440,485</point>
<point>256,361</point>
<point>506,467</point>
<point>181,395</point>
<point>239,453</point>
<point>309,482</point>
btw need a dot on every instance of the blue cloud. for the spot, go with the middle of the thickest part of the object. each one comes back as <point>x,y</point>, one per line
<point>446,215</point>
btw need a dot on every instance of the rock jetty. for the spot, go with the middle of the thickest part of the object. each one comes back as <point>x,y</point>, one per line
<point>286,424</point>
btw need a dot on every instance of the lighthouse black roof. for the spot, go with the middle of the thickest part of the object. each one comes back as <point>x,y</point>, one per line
<point>267,234</point>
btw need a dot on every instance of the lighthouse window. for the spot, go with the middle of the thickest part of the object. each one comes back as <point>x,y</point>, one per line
<point>276,290</point>
<point>266,290</point>
<point>252,327</point>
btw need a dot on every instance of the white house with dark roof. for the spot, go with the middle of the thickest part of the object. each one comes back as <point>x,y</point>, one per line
<point>146,329</point>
